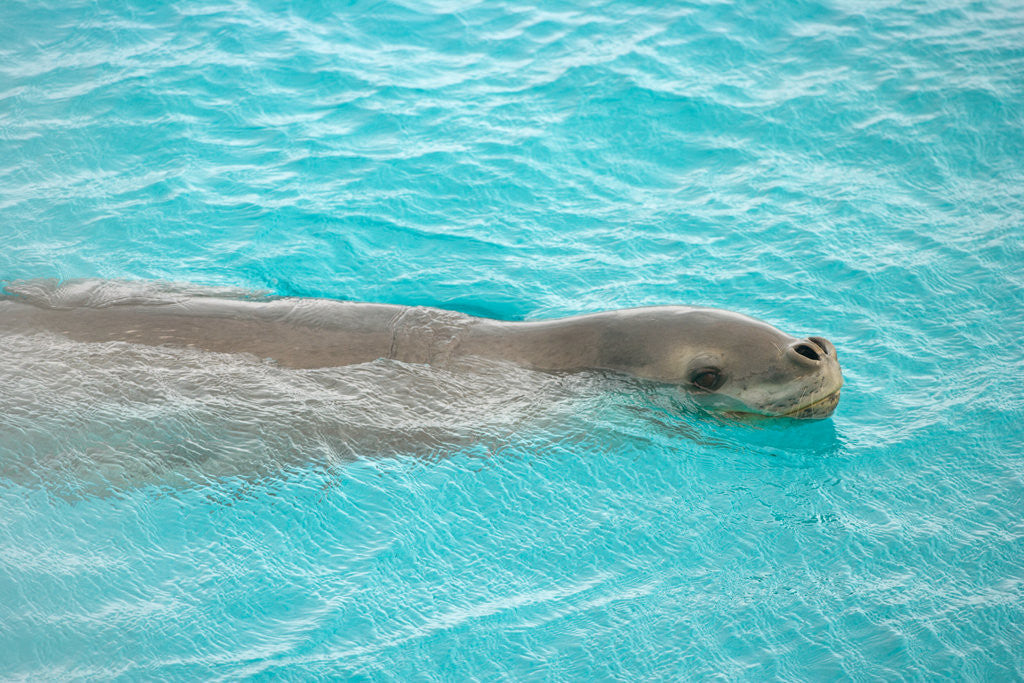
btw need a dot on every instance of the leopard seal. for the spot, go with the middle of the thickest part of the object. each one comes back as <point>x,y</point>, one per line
<point>724,361</point>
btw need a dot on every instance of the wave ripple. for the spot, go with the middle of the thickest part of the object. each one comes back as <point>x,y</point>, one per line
<point>832,168</point>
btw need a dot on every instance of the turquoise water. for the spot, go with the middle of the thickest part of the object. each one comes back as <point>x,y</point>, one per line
<point>854,170</point>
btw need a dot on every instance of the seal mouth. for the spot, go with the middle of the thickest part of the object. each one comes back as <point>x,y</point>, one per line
<point>823,407</point>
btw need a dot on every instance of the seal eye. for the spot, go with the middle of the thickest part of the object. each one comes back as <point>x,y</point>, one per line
<point>708,379</point>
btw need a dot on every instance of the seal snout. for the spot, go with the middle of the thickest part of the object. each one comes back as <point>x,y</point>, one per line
<point>812,350</point>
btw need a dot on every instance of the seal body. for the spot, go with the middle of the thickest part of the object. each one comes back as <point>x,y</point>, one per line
<point>726,361</point>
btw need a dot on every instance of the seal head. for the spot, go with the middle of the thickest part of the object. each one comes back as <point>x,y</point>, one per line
<point>731,363</point>
<point>723,361</point>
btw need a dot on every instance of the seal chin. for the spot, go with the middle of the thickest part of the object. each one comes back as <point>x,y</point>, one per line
<point>817,409</point>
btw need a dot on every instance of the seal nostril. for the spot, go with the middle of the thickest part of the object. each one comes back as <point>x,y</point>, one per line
<point>822,343</point>
<point>807,351</point>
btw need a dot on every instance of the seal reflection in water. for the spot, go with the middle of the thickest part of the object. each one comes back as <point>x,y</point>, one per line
<point>724,361</point>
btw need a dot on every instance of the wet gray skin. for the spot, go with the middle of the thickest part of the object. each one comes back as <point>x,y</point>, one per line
<point>724,361</point>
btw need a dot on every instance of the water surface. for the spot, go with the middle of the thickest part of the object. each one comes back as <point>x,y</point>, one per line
<point>846,169</point>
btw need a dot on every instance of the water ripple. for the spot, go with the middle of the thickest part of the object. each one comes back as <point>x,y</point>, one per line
<point>833,169</point>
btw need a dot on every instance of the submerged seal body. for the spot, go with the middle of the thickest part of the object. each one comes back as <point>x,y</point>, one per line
<point>724,361</point>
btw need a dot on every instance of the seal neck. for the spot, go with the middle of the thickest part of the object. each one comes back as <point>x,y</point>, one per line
<point>565,344</point>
